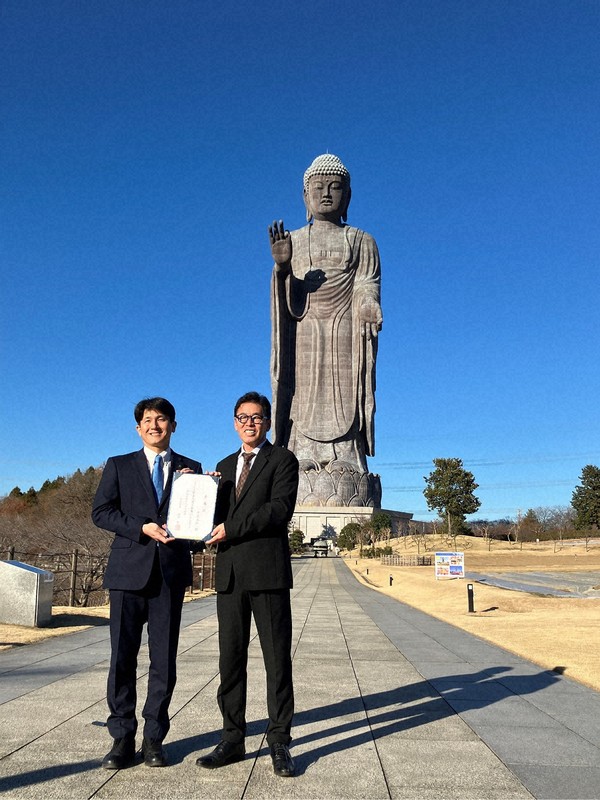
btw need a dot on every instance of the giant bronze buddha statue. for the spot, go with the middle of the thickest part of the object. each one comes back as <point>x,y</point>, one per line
<point>326,317</point>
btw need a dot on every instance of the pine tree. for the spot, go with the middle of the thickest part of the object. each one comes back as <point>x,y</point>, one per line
<point>586,499</point>
<point>449,491</point>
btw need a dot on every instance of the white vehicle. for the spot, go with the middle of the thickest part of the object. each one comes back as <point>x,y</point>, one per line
<point>320,548</point>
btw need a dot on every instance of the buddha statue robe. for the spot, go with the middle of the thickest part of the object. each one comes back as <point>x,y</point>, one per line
<point>323,361</point>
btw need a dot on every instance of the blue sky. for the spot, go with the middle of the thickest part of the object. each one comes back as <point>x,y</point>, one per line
<point>146,146</point>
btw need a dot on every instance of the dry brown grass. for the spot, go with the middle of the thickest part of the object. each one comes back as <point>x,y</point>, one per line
<point>550,631</point>
<point>64,620</point>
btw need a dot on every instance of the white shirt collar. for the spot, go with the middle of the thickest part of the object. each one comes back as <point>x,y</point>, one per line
<point>254,450</point>
<point>151,455</point>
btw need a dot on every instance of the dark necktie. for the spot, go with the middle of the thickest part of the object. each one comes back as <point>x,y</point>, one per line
<point>158,477</point>
<point>244,473</point>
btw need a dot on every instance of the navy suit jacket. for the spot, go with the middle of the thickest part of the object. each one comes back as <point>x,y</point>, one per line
<point>256,549</point>
<point>125,501</point>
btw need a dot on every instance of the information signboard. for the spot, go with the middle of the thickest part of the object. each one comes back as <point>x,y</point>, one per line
<point>449,565</point>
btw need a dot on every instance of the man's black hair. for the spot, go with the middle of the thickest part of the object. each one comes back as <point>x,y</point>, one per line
<point>255,397</point>
<point>154,404</point>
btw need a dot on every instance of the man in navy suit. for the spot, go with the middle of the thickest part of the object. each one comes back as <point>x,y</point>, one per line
<point>147,574</point>
<point>253,576</point>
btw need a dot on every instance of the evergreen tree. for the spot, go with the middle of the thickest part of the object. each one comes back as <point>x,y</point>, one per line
<point>586,499</point>
<point>296,539</point>
<point>348,536</point>
<point>450,491</point>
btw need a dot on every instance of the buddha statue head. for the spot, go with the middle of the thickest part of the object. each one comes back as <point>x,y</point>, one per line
<point>327,189</point>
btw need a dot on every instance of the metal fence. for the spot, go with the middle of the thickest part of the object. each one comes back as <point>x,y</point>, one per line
<point>78,575</point>
<point>406,561</point>
<point>203,567</point>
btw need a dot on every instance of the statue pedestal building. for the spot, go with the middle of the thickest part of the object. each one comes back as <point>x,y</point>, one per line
<point>317,523</point>
<point>332,497</point>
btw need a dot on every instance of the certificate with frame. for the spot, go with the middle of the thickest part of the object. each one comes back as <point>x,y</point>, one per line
<point>192,506</point>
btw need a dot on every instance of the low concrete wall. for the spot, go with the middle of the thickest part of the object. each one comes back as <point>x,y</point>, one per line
<point>25,594</point>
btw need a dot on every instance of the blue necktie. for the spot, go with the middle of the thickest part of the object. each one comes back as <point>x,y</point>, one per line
<point>157,477</point>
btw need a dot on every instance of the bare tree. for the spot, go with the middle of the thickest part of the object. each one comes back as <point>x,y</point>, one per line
<point>56,524</point>
<point>418,536</point>
<point>482,528</point>
<point>561,521</point>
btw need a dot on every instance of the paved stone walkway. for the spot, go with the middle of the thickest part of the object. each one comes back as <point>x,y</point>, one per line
<point>391,703</point>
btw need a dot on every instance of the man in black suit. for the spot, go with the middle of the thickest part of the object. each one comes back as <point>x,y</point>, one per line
<point>255,503</point>
<point>147,574</point>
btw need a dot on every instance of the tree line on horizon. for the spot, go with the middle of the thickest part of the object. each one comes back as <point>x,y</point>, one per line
<point>46,526</point>
<point>55,519</point>
<point>450,490</point>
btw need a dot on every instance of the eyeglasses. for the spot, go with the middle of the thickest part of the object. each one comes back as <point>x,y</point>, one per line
<point>255,419</point>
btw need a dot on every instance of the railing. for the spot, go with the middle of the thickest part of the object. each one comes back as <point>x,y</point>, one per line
<point>203,567</point>
<point>397,560</point>
<point>78,576</point>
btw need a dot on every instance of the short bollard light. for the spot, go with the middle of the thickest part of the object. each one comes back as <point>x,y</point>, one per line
<point>391,580</point>
<point>470,597</point>
<point>367,570</point>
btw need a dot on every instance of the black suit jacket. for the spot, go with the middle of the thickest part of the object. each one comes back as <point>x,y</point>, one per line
<point>256,549</point>
<point>125,501</point>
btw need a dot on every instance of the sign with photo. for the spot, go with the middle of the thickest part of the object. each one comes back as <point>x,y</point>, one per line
<point>449,565</point>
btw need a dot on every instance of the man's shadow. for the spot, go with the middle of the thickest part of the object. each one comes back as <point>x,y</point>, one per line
<point>410,706</point>
<point>384,713</point>
<point>34,777</point>
<point>377,715</point>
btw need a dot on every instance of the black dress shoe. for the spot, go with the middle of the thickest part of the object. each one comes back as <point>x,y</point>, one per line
<point>154,755</point>
<point>224,753</point>
<point>121,755</point>
<point>283,763</point>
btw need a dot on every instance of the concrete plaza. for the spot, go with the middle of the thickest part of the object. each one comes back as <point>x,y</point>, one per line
<point>390,703</point>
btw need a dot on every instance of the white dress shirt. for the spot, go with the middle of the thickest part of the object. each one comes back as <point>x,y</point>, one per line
<point>240,461</point>
<point>166,457</point>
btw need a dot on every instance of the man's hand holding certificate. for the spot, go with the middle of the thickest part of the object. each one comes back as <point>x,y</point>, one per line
<point>192,506</point>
